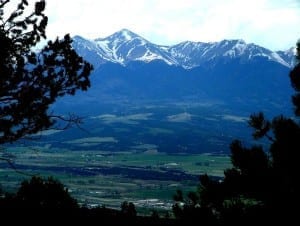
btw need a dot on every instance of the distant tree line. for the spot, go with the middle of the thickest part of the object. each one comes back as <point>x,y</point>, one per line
<point>49,200</point>
<point>261,187</point>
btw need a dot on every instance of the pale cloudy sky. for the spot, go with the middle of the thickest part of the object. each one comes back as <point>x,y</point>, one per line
<point>274,24</point>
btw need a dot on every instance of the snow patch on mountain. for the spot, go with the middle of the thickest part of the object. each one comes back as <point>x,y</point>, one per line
<point>288,56</point>
<point>125,46</point>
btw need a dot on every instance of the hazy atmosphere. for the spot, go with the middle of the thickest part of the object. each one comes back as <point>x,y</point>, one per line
<point>270,23</point>
<point>150,112</point>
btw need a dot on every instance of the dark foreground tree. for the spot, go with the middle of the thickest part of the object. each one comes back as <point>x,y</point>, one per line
<point>128,209</point>
<point>39,193</point>
<point>31,80</point>
<point>295,79</point>
<point>262,186</point>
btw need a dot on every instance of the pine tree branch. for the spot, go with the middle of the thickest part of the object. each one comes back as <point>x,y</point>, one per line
<point>12,165</point>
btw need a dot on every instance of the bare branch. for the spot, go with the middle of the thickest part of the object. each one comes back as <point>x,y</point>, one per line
<point>32,81</point>
<point>8,158</point>
<point>4,3</point>
<point>12,165</point>
<point>71,120</point>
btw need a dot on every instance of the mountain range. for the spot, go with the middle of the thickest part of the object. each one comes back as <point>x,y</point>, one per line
<point>125,46</point>
<point>244,76</point>
<point>191,97</point>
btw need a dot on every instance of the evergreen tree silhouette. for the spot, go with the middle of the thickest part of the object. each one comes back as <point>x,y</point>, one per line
<point>46,194</point>
<point>262,186</point>
<point>295,80</point>
<point>40,199</point>
<point>31,80</point>
<point>128,209</point>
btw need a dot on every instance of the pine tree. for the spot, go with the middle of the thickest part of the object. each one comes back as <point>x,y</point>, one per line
<point>31,80</point>
<point>262,186</point>
<point>260,179</point>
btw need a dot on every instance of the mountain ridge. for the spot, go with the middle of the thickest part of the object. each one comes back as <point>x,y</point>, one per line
<point>209,88</point>
<point>129,67</point>
<point>125,46</point>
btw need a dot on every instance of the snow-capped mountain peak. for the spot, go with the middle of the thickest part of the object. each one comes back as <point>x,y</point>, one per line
<point>237,48</point>
<point>123,35</point>
<point>126,46</point>
<point>126,34</point>
<point>288,56</point>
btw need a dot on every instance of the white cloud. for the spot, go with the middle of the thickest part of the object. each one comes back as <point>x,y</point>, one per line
<point>271,23</point>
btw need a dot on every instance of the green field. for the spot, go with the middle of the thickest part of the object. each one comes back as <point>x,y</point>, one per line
<point>96,178</point>
<point>138,152</point>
